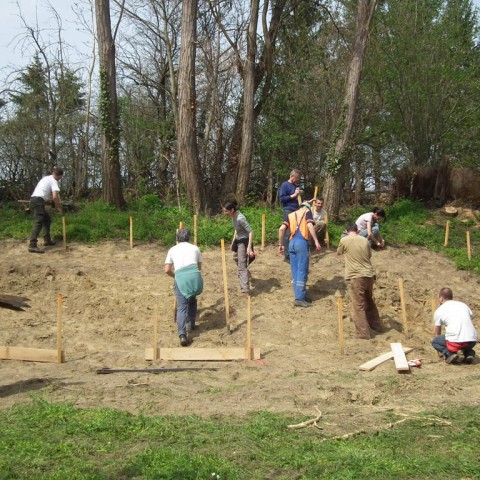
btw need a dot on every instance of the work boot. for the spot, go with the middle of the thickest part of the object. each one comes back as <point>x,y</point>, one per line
<point>48,242</point>
<point>183,341</point>
<point>33,247</point>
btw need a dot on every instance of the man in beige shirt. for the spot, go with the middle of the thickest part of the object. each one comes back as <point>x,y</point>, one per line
<point>360,275</point>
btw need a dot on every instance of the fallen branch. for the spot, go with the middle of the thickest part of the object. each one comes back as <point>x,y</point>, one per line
<point>308,423</point>
<point>103,371</point>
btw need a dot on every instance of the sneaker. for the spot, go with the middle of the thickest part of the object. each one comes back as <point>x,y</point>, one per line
<point>452,358</point>
<point>301,303</point>
<point>469,359</point>
<point>35,249</point>
<point>183,340</point>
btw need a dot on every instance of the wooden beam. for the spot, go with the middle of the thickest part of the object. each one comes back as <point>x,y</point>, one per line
<point>203,354</point>
<point>30,354</point>
<point>401,362</point>
<point>371,364</point>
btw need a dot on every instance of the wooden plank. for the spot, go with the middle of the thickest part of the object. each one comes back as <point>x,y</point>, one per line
<point>401,362</point>
<point>371,364</point>
<point>30,354</point>
<point>203,354</point>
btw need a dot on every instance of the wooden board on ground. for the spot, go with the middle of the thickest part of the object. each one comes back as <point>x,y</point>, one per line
<point>401,362</point>
<point>30,354</point>
<point>203,354</point>
<point>371,364</point>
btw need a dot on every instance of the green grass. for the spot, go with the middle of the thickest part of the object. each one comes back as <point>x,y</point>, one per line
<point>408,223</point>
<point>42,440</point>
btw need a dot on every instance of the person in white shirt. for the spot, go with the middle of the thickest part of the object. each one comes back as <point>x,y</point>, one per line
<point>460,334</point>
<point>46,192</point>
<point>320,219</point>
<point>184,264</point>
<point>368,227</point>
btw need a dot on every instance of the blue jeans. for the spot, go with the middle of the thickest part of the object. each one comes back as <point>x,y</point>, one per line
<point>186,311</point>
<point>439,344</point>
<point>375,231</point>
<point>299,259</point>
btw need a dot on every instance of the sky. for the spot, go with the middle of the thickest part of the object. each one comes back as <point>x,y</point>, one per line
<point>14,53</point>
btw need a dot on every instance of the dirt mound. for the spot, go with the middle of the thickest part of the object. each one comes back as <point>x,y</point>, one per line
<point>109,294</point>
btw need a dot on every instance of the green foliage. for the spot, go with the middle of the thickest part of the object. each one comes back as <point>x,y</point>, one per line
<point>43,440</point>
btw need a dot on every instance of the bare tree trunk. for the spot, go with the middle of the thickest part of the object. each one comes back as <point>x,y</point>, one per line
<point>111,185</point>
<point>245,159</point>
<point>187,149</point>
<point>344,129</point>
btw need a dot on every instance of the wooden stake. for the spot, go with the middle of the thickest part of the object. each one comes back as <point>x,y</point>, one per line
<point>264,219</point>
<point>327,237</point>
<point>131,232</point>
<point>404,308</point>
<point>249,328</point>
<point>447,231</point>
<point>195,239</point>
<point>180,225</point>
<point>155,333</point>
<point>315,192</point>
<point>340,325</point>
<point>434,308</point>
<point>64,233</point>
<point>225,286</point>
<point>59,328</point>
<point>469,250</point>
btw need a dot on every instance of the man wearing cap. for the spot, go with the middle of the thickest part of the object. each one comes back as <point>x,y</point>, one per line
<point>301,226</point>
<point>360,275</point>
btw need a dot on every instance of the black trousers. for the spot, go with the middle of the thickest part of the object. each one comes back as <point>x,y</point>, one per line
<point>41,220</point>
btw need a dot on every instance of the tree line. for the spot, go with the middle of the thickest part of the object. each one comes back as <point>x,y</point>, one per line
<point>197,101</point>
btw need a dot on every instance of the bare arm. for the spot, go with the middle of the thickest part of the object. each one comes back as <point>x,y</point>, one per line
<point>437,330</point>
<point>250,243</point>
<point>281,236</point>
<point>56,201</point>
<point>169,270</point>
<point>199,264</point>
<point>311,229</point>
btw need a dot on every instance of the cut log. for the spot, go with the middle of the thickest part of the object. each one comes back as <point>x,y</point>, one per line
<point>450,211</point>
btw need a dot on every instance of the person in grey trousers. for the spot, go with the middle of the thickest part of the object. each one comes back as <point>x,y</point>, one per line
<point>242,244</point>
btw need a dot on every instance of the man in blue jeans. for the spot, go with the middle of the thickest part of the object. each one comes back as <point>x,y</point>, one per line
<point>460,334</point>
<point>183,263</point>
<point>301,226</point>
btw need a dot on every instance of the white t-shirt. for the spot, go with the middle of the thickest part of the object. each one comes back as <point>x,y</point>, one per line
<point>363,219</point>
<point>318,215</point>
<point>457,318</point>
<point>183,255</point>
<point>45,187</point>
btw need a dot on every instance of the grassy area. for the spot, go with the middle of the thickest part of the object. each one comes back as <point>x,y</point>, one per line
<point>42,440</point>
<point>408,223</point>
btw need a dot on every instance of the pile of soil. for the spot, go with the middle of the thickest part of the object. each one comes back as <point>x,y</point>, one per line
<point>111,293</point>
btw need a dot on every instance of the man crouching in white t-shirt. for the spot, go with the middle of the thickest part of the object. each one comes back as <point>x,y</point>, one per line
<point>46,192</point>
<point>460,334</point>
<point>183,263</point>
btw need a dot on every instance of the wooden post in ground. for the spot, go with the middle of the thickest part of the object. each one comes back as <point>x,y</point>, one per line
<point>180,225</point>
<point>249,328</point>
<point>263,231</point>
<point>469,250</point>
<point>64,228</point>
<point>131,232</point>
<point>434,308</point>
<point>340,325</point>
<point>155,333</point>
<point>404,308</point>
<point>447,231</point>
<point>195,238</point>
<point>327,237</point>
<point>315,192</point>
<point>59,329</point>
<point>225,286</point>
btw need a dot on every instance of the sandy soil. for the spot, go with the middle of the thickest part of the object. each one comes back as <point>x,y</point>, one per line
<point>109,296</point>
